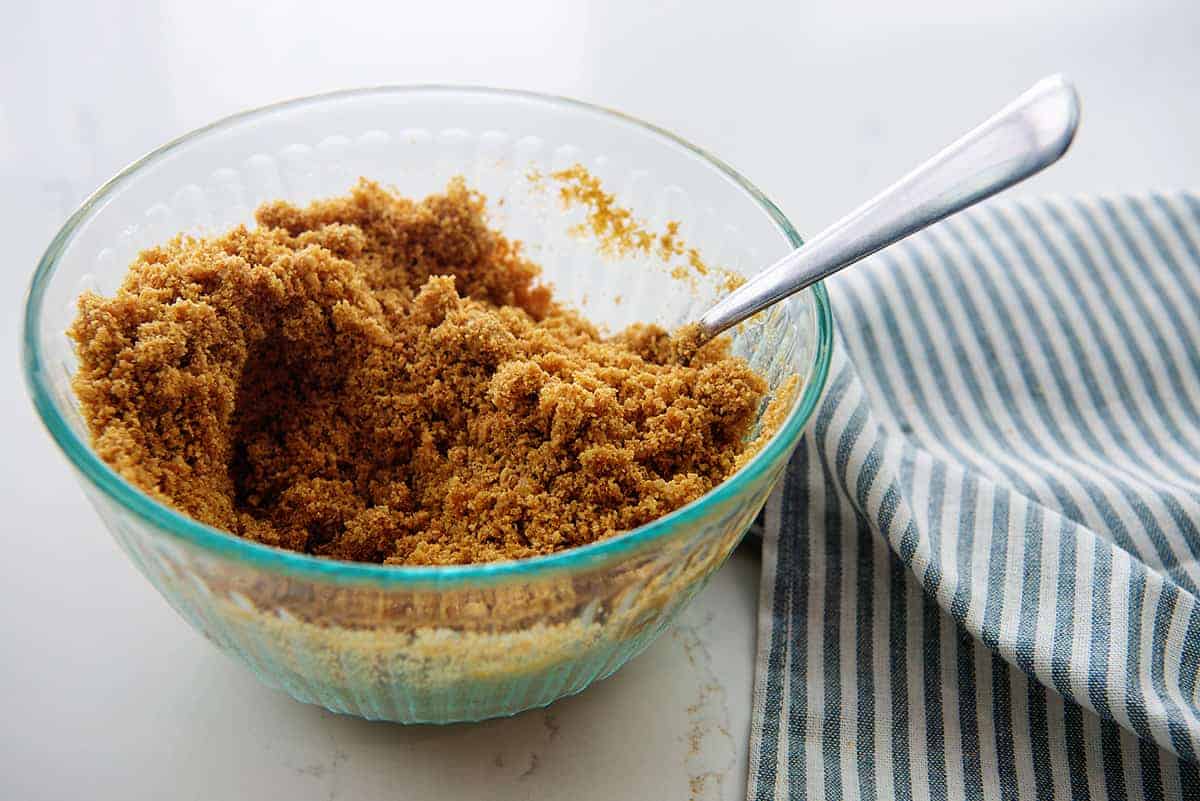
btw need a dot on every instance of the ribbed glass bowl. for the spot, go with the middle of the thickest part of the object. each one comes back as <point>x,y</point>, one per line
<point>438,644</point>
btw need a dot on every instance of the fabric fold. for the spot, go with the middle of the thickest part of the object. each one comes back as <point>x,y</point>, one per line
<point>980,572</point>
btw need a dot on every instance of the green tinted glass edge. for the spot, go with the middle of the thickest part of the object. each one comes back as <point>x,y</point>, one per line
<point>224,544</point>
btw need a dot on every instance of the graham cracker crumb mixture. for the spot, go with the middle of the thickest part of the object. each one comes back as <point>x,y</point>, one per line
<point>380,379</point>
<point>620,233</point>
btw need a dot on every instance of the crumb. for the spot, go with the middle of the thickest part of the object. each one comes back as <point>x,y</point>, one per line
<point>619,233</point>
<point>379,379</point>
<point>773,417</point>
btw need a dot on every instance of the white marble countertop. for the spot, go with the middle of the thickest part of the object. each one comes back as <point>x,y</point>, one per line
<point>106,694</point>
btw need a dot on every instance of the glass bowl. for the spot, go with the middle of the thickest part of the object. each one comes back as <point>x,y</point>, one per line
<point>439,644</point>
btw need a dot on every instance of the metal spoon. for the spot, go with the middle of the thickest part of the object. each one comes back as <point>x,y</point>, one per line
<point>1024,137</point>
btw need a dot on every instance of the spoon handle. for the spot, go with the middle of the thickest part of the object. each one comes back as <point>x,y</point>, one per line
<point>1027,135</point>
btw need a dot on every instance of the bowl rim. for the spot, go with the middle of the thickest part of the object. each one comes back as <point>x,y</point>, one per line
<point>302,565</point>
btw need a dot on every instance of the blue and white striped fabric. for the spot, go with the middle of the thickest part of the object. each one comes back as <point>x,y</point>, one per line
<point>980,573</point>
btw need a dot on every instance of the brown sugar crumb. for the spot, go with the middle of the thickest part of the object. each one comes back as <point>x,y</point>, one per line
<point>379,379</point>
<point>620,233</point>
<point>687,341</point>
<point>614,227</point>
<point>773,418</point>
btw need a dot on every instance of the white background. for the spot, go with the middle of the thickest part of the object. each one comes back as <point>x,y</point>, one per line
<point>105,694</point>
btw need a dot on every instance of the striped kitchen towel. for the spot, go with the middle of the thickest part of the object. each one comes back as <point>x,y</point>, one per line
<point>980,572</point>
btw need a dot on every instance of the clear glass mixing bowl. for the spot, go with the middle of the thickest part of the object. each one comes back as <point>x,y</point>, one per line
<point>438,644</point>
